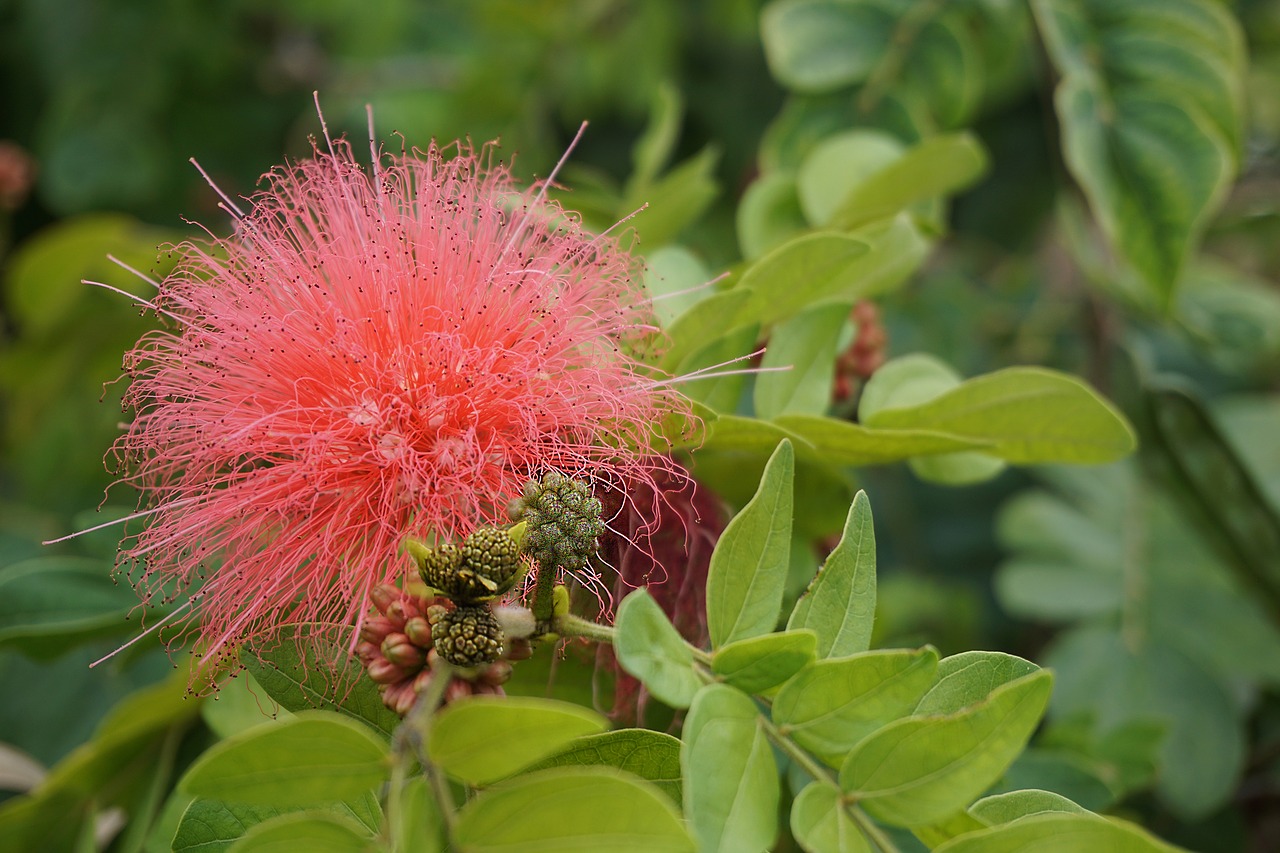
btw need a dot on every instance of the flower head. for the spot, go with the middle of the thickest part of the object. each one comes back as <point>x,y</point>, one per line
<point>374,355</point>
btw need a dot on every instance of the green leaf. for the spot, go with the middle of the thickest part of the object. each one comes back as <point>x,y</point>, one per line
<point>675,200</point>
<point>304,675</point>
<point>579,808</point>
<point>844,443</point>
<point>315,832</point>
<point>749,565</point>
<point>1029,414</point>
<point>719,392</point>
<point>968,678</point>
<point>738,433</point>
<point>834,704</point>
<point>51,604</point>
<point>317,757</point>
<point>840,603</point>
<point>211,826</point>
<point>937,166</point>
<point>769,214</point>
<point>838,165</point>
<point>239,705</point>
<point>649,647</point>
<point>818,45</point>
<point>675,277</point>
<point>801,273</point>
<point>731,784</point>
<point>919,770</point>
<point>1003,808</point>
<point>702,323</point>
<point>653,149</point>
<point>1058,833</point>
<point>653,756</point>
<point>820,823</point>
<point>758,664</point>
<point>481,739</point>
<point>802,354</point>
<point>1150,106</point>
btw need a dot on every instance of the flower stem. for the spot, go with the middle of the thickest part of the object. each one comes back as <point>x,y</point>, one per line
<point>410,740</point>
<point>575,626</point>
<point>544,594</point>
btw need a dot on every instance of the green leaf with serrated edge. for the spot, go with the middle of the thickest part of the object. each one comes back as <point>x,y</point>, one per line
<point>1004,808</point>
<point>649,647</point>
<point>921,769</point>
<point>1150,110</point>
<point>210,826</point>
<point>748,568</point>
<point>317,757</point>
<point>50,604</point>
<point>653,756</point>
<point>968,678</point>
<point>803,272</point>
<point>820,824</point>
<point>315,832</point>
<point>819,45</point>
<point>731,784</point>
<point>304,675</point>
<point>481,739</point>
<point>578,808</point>
<point>757,664</point>
<point>840,603</point>
<point>838,165</point>
<point>1029,415</point>
<point>845,443</point>
<point>702,323</point>
<point>939,165</point>
<point>1059,833</point>
<point>834,704</point>
<point>799,365</point>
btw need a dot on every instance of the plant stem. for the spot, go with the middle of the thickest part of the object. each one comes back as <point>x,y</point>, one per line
<point>544,594</point>
<point>411,739</point>
<point>569,625</point>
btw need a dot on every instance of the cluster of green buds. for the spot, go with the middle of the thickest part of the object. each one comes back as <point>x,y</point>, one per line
<point>397,648</point>
<point>563,521</point>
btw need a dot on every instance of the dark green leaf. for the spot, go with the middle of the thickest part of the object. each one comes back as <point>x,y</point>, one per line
<point>50,604</point>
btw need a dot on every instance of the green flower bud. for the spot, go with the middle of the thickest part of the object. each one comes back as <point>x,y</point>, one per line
<point>485,566</point>
<point>468,636</point>
<point>563,519</point>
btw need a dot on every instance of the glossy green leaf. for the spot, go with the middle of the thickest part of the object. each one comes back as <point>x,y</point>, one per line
<point>838,166</point>
<point>801,273</point>
<point>840,603</point>
<point>968,678</point>
<point>820,824</point>
<point>314,675</point>
<point>731,786</point>
<point>211,826</point>
<point>580,808</point>
<point>653,756</point>
<point>757,664</point>
<point>799,364</point>
<point>919,770</point>
<point>481,739</point>
<point>649,647</point>
<point>315,832</point>
<point>834,704</point>
<point>1058,833</point>
<point>749,565</point>
<point>940,165</point>
<point>1029,415</point>
<point>317,757</point>
<point>50,604</point>
<point>1150,106</point>
<point>1003,808</point>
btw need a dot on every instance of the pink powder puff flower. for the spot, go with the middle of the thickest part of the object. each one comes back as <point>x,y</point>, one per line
<point>371,356</point>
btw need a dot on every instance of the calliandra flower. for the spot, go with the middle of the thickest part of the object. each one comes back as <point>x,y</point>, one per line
<point>374,355</point>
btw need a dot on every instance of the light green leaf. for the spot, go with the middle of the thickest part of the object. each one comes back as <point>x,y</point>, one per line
<point>919,770</point>
<point>757,664</point>
<point>940,165</point>
<point>315,832</point>
<point>844,443</point>
<point>317,757</point>
<point>840,603</point>
<point>820,823</point>
<point>675,277</point>
<point>700,324</point>
<point>653,756</point>
<point>1028,413</point>
<point>1059,833</point>
<point>653,149</point>
<point>802,351</point>
<point>1003,808</point>
<point>968,678</point>
<point>481,739</point>
<point>239,705</point>
<point>738,433</point>
<point>1150,105</point>
<point>305,675</point>
<point>731,784</point>
<point>769,214</point>
<point>578,808</point>
<point>211,826</point>
<point>906,381</point>
<point>51,604</point>
<point>719,392</point>
<point>649,647</point>
<point>749,565</point>
<point>803,272</point>
<point>838,165</point>
<point>834,704</point>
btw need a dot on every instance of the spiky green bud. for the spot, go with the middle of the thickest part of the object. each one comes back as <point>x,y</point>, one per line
<point>467,636</point>
<point>485,566</point>
<point>563,519</point>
